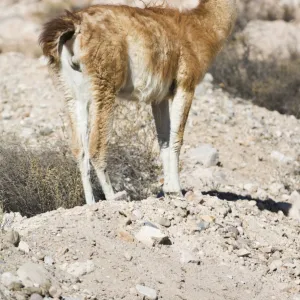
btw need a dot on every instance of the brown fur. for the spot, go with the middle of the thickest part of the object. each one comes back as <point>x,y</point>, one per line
<point>174,48</point>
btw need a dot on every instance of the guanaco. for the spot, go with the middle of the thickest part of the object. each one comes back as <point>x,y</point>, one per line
<point>153,54</point>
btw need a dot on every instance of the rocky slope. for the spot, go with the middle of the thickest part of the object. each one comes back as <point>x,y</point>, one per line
<point>235,235</point>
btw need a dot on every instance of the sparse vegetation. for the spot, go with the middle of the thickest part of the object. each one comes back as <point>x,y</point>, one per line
<point>271,84</point>
<point>38,180</point>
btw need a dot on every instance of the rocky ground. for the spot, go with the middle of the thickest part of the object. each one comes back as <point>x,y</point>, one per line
<point>235,235</point>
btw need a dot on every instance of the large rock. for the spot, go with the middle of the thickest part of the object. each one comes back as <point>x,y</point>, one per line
<point>294,211</point>
<point>32,275</point>
<point>205,155</point>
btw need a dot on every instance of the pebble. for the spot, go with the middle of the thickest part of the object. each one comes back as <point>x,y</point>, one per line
<point>163,222</point>
<point>243,252</point>
<point>14,238</point>
<point>48,260</point>
<point>32,274</point>
<point>55,291</point>
<point>137,214</point>
<point>125,235</point>
<point>79,269</point>
<point>209,219</point>
<point>23,246</point>
<point>147,292</point>
<point>146,223</point>
<point>128,256</point>
<point>10,281</point>
<point>36,297</point>
<point>188,257</point>
<point>151,236</point>
<point>202,226</point>
<point>275,265</point>
<point>268,249</point>
<point>180,203</point>
<point>205,155</point>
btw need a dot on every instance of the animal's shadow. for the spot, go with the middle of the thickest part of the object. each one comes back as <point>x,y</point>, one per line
<point>268,204</point>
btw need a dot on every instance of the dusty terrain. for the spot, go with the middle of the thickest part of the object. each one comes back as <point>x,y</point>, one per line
<point>235,235</point>
<point>230,238</point>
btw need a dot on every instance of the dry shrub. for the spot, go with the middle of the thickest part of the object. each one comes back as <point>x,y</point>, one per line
<point>272,84</point>
<point>37,180</point>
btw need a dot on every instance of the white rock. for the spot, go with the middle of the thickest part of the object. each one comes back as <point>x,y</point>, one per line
<point>7,279</point>
<point>280,157</point>
<point>36,297</point>
<point>32,274</point>
<point>242,253</point>
<point>23,246</point>
<point>188,257</point>
<point>48,260</point>
<point>146,292</point>
<point>294,211</point>
<point>80,268</point>
<point>151,236</point>
<point>205,154</point>
<point>250,187</point>
<point>275,264</point>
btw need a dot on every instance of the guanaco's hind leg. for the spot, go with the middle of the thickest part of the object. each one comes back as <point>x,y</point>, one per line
<point>78,95</point>
<point>179,113</point>
<point>101,112</point>
<point>161,114</point>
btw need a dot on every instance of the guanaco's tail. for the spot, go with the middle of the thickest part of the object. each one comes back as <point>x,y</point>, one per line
<point>55,33</point>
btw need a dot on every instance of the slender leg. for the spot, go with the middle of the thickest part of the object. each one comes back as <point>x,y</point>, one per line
<point>179,113</point>
<point>78,148</point>
<point>77,92</point>
<point>100,126</point>
<point>161,115</point>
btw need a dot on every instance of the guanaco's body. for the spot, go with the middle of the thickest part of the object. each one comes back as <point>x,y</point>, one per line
<point>156,54</point>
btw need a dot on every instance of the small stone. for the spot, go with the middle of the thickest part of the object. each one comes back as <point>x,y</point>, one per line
<point>232,232</point>
<point>137,214</point>
<point>10,281</point>
<point>275,265</point>
<point>294,211</point>
<point>208,219</point>
<point>128,256</point>
<point>188,257</point>
<point>268,249</point>
<point>125,235</point>
<point>32,275</point>
<point>147,223</point>
<point>120,196</point>
<point>55,292</point>
<point>201,226</point>
<point>48,260</point>
<point>14,238</point>
<point>46,131</point>
<point>151,236</point>
<point>79,269</point>
<point>36,297</point>
<point>243,252</point>
<point>280,157</point>
<point>251,187</point>
<point>23,246</point>
<point>163,222</point>
<point>205,155</point>
<point>146,292</point>
<point>180,203</point>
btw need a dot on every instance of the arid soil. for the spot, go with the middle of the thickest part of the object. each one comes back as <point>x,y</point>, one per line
<point>235,235</point>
